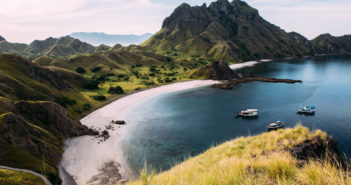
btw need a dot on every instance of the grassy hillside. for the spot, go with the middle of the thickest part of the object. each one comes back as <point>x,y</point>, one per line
<point>328,44</point>
<point>132,68</point>
<point>230,31</point>
<point>33,121</point>
<point>269,158</point>
<point>234,32</point>
<point>58,48</point>
<point>9,177</point>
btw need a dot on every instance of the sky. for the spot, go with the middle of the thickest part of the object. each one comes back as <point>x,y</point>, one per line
<point>26,20</point>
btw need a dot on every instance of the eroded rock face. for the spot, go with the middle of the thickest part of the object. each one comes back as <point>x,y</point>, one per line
<point>21,134</point>
<point>217,70</point>
<point>316,148</point>
<point>39,128</point>
<point>222,71</point>
<point>52,117</point>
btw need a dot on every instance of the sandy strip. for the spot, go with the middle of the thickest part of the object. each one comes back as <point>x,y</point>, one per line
<point>85,157</point>
<point>116,109</point>
<point>248,64</point>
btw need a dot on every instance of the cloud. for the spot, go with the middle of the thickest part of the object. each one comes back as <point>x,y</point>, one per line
<point>26,20</point>
<point>308,17</point>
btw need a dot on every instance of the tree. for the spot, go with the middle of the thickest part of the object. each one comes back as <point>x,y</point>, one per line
<point>80,70</point>
<point>115,90</point>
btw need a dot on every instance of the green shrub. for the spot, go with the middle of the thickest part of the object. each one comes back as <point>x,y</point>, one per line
<point>87,107</point>
<point>99,97</point>
<point>64,101</point>
<point>115,90</point>
<point>95,69</point>
<point>92,84</point>
<point>80,70</point>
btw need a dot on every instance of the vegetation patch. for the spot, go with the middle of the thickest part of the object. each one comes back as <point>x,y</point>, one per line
<point>262,159</point>
<point>10,177</point>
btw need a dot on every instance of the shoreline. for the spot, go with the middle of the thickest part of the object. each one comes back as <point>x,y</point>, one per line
<point>84,157</point>
<point>83,167</point>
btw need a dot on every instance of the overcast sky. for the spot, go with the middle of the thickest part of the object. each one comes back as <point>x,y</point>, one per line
<point>26,20</point>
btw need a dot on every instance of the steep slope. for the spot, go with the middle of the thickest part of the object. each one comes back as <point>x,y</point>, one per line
<point>328,44</point>
<point>289,156</point>
<point>12,47</point>
<point>225,31</point>
<point>32,127</point>
<point>62,47</point>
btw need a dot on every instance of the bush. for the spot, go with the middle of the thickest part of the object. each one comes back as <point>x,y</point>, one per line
<point>54,178</point>
<point>87,107</point>
<point>64,101</point>
<point>167,80</point>
<point>99,97</point>
<point>92,84</point>
<point>95,69</point>
<point>115,90</point>
<point>80,70</point>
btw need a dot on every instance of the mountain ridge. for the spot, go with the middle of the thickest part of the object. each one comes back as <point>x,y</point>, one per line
<point>230,31</point>
<point>54,47</point>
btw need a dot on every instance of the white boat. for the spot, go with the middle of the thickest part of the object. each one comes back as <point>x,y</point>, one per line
<point>249,113</point>
<point>307,110</point>
<point>276,125</point>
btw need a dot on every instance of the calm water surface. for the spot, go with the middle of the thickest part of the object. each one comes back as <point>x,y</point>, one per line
<point>169,128</point>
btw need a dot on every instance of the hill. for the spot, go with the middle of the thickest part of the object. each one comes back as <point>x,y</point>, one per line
<point>289,156</point>
<point>59,48</point>
<point>328,44</point>
<point>229,31</point>
<point>33,121</point>
<point>96,38</point>
<point>234,32</point>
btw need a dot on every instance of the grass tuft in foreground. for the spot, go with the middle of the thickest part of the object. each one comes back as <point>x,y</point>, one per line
<point>262,159</point>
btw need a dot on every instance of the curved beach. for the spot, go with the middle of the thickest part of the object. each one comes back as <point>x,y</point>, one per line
<point>88,160</point>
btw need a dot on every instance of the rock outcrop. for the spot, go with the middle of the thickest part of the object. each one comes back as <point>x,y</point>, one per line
<point>51,117</point>
<point>229,31</point>
<point>217,70</point>
<point>316,148</point>
<point>228,85</point>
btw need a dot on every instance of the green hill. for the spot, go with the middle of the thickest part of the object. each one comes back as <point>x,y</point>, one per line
<point>33,127</point>
<point>234,32</point>
<point>328,44</point>
<point>58,48</point>
<point>289,156</point>
<point>225,31</point>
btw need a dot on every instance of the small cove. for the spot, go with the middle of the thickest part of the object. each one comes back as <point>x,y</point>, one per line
<point>167,129</point>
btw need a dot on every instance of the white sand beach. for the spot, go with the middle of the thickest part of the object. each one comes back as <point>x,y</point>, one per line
<point>85,158</point>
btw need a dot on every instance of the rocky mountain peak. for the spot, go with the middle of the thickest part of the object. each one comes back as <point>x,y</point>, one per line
<point>220,6</point>
<point>2,38</point>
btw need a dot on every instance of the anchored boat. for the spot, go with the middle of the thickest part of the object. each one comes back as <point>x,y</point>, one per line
<point>249,113</point>
<point>309,110</point>
<point>276,125</point>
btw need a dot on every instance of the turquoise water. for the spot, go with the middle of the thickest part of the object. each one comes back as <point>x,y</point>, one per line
<point>167,129</point>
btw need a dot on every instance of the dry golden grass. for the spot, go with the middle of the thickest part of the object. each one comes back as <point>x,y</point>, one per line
<point>261,159</point>
<point>9,177</point>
